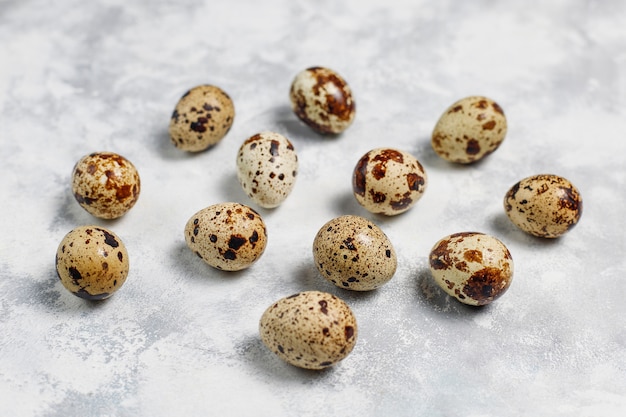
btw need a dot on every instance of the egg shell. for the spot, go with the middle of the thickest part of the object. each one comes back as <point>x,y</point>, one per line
<point>544,205</point>
<point>323,100</point>
<point>201,118</point>
<point>227,236</point>
<point>388,181</point>
<point>92,262</point>
<point>105,184</point>
<point>267,166</point>
<point>353,253</point>
<point>310,329</point>
<point>469,130</point>
<point>475,268</point>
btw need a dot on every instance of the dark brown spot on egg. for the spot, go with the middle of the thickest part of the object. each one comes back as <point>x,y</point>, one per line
<point>349,332</point>
<point>274,145</point>
<point>473,147</point>
<point>358,178</point>
<point>485,285</point>
<point>497,108</point>
<point>456,108</point>
<point>377,197</point>
<point>109,239</point>
<point>489,125</point>
<point>440,256</point>
<point>230,255</point>
<point>415,181</point>
<point>323,306</point>
<point>75,275</point>
<point>236,241</point>
<point>473,256</point>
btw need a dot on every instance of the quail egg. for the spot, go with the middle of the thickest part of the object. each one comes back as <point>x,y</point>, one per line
<point>322,99</point>
<point>92,262</point>
<point>475,268</point>
<point>267,166</point>
<point>469,130</point>
<point>227,236</point>
<point>105,184</point>
<point>310,329</point>
<point>544,205</point>
<point>201,118</point>
<point>353,253</point>
<point>388,181</point>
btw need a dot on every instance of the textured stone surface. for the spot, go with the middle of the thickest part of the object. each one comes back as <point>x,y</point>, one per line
<point>182,339</point>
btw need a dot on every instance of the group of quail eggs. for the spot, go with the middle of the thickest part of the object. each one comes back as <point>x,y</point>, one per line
<point>314,329</point>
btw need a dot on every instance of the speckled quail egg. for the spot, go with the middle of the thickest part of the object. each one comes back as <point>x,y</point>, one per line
<point>227,236</point>
<point>322,99</point>
<point>388,181</point>
<point>544,205</point>
<point>353,253</point>
<point>311,329</point>
<point>475,268</point>
<point>267,166</point>
<point>105,184</point>
<point>469,130</point>
<point>201,118</point>
<point>92,262</point>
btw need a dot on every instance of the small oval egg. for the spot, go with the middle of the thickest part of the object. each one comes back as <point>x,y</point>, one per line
<point>267,166</point>
<point>388,181</point>
<point>227,236</point>
<point>353,253</point>
<point>310,329</point>
<point>105,184</point>
<point>201,118</point>
<point>469,130</point>
<point>322,99</point>
<point>92,262</point>
<point>544,205</point>
<point>475,268</point>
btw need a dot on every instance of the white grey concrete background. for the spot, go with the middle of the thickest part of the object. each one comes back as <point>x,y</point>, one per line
<point>180,338</point>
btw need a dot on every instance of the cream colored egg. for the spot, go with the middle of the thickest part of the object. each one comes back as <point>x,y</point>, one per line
<point>544,205</point>
<point>388,181</point>
<point>267,166</point>
<point>105,184</point>
<point>322,99</point>
<point>353,253</point>
<point>227,236</point>
<point>469,130</point>
<point>475,268</point>
<point>201,118</point>
<point>92,262</point>
<point>311,329</point>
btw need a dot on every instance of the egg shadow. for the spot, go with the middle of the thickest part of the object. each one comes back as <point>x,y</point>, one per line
<point>192,267</point>
<point>503,226</point>
<point>438,300</point>
<point>284,117</point>
<point>232,189</point>
<point>254,353</point>
<point>167,150</point>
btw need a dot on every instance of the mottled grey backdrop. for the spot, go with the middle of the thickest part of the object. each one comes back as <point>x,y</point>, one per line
<point>180,338</point>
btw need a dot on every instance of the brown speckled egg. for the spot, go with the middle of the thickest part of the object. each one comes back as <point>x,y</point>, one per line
<point>227,236</point>
<point>311,329</point>
<point>105,184</point>
<point>267,166</point>
<point>475,268</point>
<point>323,100</point>
<point>544,205</point>
<point>469,130</point>
<point>353,253</point>
<point>92,262</point>
<point>202,117</point>
<point>388,181</point>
